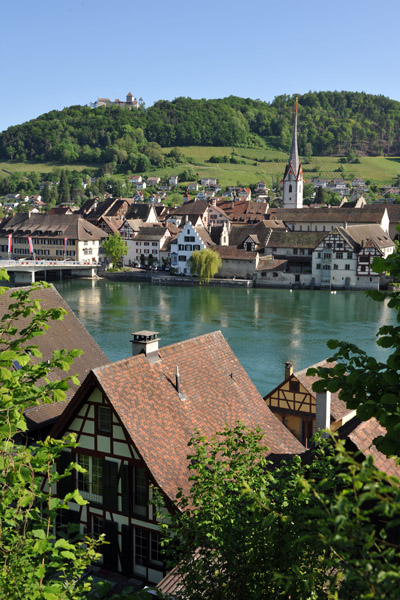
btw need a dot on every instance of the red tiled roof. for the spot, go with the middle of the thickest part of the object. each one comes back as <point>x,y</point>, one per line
<point>66,334</point>
<point>216,391</point>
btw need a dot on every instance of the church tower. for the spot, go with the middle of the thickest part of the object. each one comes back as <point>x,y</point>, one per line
<point>293,177</point>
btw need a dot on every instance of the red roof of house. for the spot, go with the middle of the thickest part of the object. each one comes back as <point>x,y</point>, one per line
<point>215,389</point>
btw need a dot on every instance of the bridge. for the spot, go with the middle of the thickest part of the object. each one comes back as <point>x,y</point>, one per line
<point>25,271</point>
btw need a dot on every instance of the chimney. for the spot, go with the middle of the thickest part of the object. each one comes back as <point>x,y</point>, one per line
<point>323,411</point>
<point>288,370</point>
<point>146,342</point>
<point>178,384</point>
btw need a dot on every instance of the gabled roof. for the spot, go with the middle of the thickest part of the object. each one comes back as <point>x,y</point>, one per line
<point>215,390</point>
<point>138,211</point>
<point>359,235</point>
<point>368,214</point>
<point>194,207</point>
<point>204,235</point>
<point>71,226</point>
<point>66,334</point>
<point>150,233</point>
<point>295,239</point>
<point>230,253</point>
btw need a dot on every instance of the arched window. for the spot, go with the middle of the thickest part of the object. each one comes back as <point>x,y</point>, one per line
<point>290,188</point>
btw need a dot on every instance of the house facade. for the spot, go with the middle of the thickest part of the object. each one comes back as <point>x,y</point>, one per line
<point>51,237</point>
<point>343,259</point>
<point>191,238</point>
<point>133,420</point>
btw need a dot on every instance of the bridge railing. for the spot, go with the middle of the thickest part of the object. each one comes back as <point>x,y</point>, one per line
<point>47,263</point>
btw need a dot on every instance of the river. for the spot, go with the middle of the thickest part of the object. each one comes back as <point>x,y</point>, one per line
<point>264,327</point>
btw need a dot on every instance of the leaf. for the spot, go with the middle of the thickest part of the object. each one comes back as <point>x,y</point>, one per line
<point>39,534</point>
<point>67,554</point>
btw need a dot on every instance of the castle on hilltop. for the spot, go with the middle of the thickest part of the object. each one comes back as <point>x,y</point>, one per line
<point>130,102</point>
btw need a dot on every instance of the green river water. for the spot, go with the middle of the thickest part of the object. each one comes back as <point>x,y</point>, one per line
<point>264,327</point>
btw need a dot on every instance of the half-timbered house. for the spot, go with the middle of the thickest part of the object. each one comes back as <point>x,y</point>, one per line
<point>343,259</point>
<point>133,420</point>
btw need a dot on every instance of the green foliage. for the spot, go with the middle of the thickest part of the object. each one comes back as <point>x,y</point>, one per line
<point>34,564</point>
<point>115,248</point>
<point>330,123</point>
<point>304,530</point>
<point>204,264</point>
<point>366,384</point>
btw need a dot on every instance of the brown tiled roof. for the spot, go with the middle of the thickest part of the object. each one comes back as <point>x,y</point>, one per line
<point>231,253</point>
<point>138,211</point>
<point>215,389</point>
<point>66,334</point>
<point>357,235</point>
<point>362,434</point>
<point>71,226</point>
<point>204,235</point>
<point>194,207</point>
<point>295,239</point>
<point>368,214</point>
<point>239,233</point>
<point>150,233</point>
<point>271,264</point>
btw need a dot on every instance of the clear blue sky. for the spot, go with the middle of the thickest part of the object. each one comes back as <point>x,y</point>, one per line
<point>58,53</point>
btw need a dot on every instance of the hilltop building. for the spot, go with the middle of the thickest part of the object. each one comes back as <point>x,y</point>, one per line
<point>130,102</point>
<point>293,177</point>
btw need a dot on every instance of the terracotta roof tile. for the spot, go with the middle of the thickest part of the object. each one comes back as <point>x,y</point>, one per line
<point>216,391</point>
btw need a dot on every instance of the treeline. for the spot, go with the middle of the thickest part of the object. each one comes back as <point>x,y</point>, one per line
<point>330,123</point>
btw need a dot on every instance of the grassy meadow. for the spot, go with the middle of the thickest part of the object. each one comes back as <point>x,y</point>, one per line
<point>256,164</point>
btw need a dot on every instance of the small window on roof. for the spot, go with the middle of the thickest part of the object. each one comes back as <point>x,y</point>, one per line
<point>294,385</point>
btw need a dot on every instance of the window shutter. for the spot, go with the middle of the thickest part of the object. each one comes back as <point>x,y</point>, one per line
<point>65,485</point>
<point>110,485</point>
<point>126,489</point>
<point>111,550</point>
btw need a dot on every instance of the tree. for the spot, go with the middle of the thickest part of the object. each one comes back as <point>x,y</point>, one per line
<point>204,264</point>
<point>64,189</point>
<point>34,564</point>
<point>115,248</point>
<point>316,529</point>
<point>366,384</point>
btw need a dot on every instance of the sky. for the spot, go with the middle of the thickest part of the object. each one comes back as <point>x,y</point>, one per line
<point>61,53</point>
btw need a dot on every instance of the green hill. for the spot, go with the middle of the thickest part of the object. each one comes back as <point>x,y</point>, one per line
<point>330,123</point>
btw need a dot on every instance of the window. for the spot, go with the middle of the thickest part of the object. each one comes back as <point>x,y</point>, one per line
<point>302,252</point>
<point>104,419</point>
<point>318,265</point>
<point>90,484</point>
<point>326,267</point>
<point>327,255</point>
<point>182,258</point>
<point>196,247</point>
<point>140,491</point>
<point>181,247</point>
<point>319,254</point>
<point>189,238</point>
<point>294,386</point>
<point>155,547</point>
<point>335,267</point>
<point>97,526</point>
<point>290,188</point>
<point>347,267</point>
<point>295,251</point>
<point>154,243</point>
<point>188,247</point>
<point>140,546</point>
<point>339,254</point>
<point>349,255</point>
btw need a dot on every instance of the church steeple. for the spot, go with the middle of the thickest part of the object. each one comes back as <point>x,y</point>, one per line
<point>293,177</point>
<point>294,153</point>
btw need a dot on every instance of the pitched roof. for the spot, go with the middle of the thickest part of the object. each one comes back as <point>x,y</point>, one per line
<point>267,263</point>
<point>204,235</point>
<point>71,226</point>
<point>138,210</point>
<point>357,235</point>
<point>66,334</point>
<point>368,214</point>
<point>150,233</point>
<point>194,207</point>
<point>215,389</point>
<point>231,253</point>
<point>295,239</point>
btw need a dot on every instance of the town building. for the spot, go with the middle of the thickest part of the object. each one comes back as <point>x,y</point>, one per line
<point>343,259</point>
<point>129,103</point>
<point>189,239</point>
<point>293,178</point>
<point>52,237</point>
<point>133,420</point>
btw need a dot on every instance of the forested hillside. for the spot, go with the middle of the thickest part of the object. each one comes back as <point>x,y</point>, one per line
<point>330,123</point>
